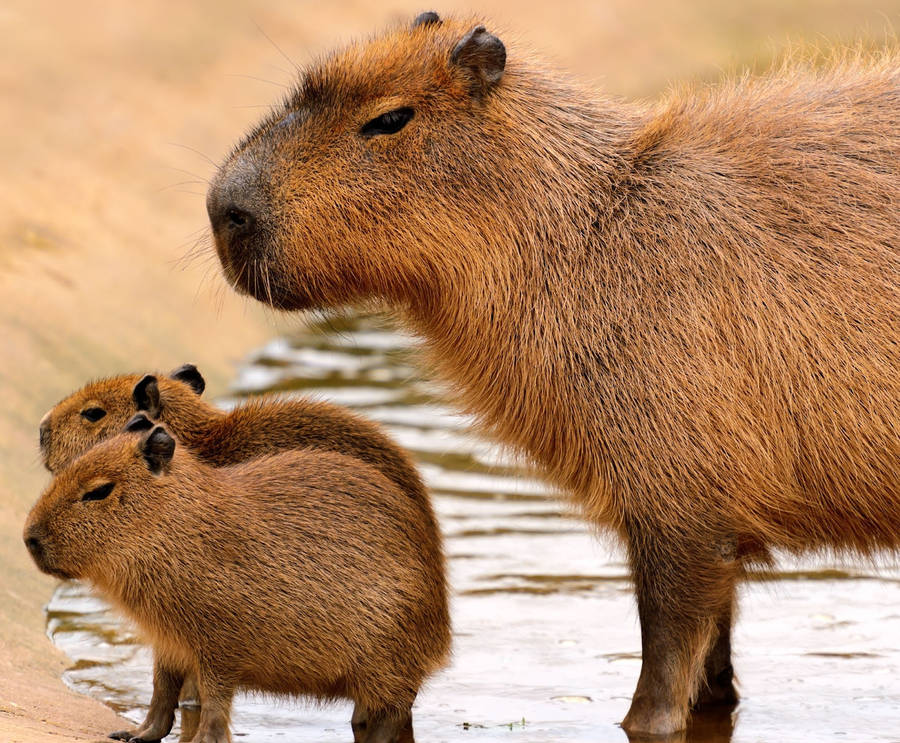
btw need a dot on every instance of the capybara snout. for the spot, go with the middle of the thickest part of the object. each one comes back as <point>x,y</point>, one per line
<point>361,151</point>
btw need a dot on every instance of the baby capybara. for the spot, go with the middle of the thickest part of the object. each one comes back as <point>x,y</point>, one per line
<point>264,425</point>
<point>305,572</point>
<point>688,314</point>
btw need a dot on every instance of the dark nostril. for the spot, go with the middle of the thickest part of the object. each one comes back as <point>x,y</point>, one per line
<point>239,221</point>
<point>34,546</point>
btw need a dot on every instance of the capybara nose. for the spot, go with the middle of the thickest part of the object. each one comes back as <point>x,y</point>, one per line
<point>34,547</point>
<point>44,430</point>
<point>232,222</point>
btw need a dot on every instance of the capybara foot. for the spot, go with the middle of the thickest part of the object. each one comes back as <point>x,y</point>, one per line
<point>719,691</point>
<point>649,719</point>
<point>139,735</point>
<point>122,734</point>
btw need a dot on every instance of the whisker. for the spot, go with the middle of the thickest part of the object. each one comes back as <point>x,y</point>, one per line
<point>175,185</point>
<point>281,51</point>
<point>195,151</point>
<point>258,79</point>
<point>190,173</point>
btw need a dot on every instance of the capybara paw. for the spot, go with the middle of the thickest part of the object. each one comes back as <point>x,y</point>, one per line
<point>122,735</point>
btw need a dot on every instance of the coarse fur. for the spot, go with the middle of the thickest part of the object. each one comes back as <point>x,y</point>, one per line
<point>687,314</point>
<point>305,572</point>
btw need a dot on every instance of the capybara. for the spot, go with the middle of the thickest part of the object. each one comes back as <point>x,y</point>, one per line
<point>688,314</point>
<point>305,572</point>
<point>263,425</point>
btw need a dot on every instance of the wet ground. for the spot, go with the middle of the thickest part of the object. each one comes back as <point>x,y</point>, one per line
<point>546,643</point>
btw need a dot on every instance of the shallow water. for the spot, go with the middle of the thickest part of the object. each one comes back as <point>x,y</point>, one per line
<point>546,644</point>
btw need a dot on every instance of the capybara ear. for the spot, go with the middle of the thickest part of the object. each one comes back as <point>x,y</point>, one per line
<point>483,55</point>
<point>146,395</point>
<point>191,376</point>
<point>426,19</point>
<point>158,447</point>
<point>138,422</point>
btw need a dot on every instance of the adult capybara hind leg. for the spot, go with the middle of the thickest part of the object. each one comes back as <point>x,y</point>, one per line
<point>717,687</point>
<point>683,586</point>
<point>385,728</point>
<point>216,694</point>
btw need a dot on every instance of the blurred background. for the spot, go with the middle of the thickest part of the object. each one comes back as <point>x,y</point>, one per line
<point>113,116</point>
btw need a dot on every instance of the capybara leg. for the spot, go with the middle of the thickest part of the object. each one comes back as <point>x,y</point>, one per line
<point>215,710</point>
<point>161,715</point>
<point>389,728</point>
<point>717,688</point>
<point>359,723</point>
<point>682,588</point>
<point>190,692</point>
<point>189,703</point>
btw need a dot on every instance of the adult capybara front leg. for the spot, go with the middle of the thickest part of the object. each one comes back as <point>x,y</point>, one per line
<point>161,715</point>
<point>682,588</point>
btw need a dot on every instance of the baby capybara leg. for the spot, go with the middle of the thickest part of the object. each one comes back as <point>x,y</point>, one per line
<point>161,715</point>
<point>682,588</point>
<point>717,686</point>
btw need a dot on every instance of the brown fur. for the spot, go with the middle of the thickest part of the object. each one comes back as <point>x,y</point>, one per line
<point>687,314</point>
<point>304,572</point>
<point>263,425</point>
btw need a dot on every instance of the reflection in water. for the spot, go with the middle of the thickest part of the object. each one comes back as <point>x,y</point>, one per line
<point>546,642</point>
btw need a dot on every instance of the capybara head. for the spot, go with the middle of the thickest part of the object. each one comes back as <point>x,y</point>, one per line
<point>95,506</point>
<point>370,176</point>
<point>100,410</point>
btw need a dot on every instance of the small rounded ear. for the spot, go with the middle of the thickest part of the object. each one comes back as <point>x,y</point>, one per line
<point>191,376</point>
<point>483,55</point>
<point>138,422</point>
<point>426,19</point>
<point>146,395</point>
<point>158,447</point>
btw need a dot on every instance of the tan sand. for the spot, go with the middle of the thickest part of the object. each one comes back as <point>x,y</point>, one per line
<point>92,226</point>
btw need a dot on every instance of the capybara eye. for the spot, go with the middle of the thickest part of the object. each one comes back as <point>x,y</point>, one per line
<point>388,123</point>
<point>99,493</point>
<point>93,414</point>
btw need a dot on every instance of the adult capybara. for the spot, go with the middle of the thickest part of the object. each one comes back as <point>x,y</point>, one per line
<point>688,314</point>
<point>264,425</point>
<point>305,572</point>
